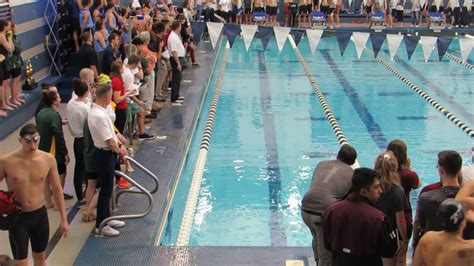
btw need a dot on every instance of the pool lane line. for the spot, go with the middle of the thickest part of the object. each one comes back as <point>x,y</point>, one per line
<point>436,89</point>
<point>371,125</point>
<point>277,231</point>
<point>458,122</point>
<point>317,90</point>
<point>190,208</point>
<point>324,104</point>
<point>457,59</point>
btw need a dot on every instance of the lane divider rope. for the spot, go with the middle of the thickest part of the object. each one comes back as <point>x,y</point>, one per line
<point>457,59</point>
<point>191,202</point>
<point>443,110</point>
<point>324,104</point>
<point>317,89</point>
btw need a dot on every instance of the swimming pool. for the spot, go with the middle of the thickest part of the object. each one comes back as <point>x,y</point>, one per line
<point>270,132</point>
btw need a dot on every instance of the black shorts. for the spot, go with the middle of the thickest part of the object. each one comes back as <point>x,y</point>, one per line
<point>302,9</point>
<point>331,10</point>
<point>4,74</point>
<point>441,9</point>
<point>31,226</point>
<point>91,175</point>
<point>14,73</point>
<point>309,8</point>
<point>76,25</point>
<point>400,15</point>
<point>2,71</point>
<point>247,10</point>
<point>271,10</point>
<point>448,11</point>
<point>368,9</point>
<point>433,9</point>
<point>61,168</point>
<point>293,8</point>
<point>258,9</point>
<point>325,9</point>
<point>316,3</point>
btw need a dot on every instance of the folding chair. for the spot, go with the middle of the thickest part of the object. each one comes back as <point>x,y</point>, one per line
<point>259,17</point>
<point>435,20</point>
<point>318,19</point>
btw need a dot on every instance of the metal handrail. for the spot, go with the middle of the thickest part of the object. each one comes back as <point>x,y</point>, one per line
<point>148,172</point>
<point>129,216</point>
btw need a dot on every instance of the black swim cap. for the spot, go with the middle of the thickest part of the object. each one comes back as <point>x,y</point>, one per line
<point>451,214</point>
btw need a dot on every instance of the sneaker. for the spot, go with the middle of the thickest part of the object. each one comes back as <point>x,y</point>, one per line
<point>181,98</point>
<point>145,136</point>
<point>122,183</point>
<point>108,231</point>
<point>168,89</point>
<point>151,116</point>
<point>67,196</point>
<point>116,223</point>
<point>177,103</point>
<point>81,203</point>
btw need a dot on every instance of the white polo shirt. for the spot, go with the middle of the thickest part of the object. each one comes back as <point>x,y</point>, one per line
<point>101,127</point>
<point>129,80</point>
<point>77,112</point>
<point>176,44</point>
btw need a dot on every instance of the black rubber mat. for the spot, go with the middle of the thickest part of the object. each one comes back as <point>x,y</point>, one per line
<point>202,256</point>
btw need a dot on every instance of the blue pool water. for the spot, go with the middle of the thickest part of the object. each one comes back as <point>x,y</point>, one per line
<point>270,132</point>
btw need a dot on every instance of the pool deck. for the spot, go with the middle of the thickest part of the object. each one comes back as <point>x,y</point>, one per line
<point>136,244</point>
<point>164,157</point>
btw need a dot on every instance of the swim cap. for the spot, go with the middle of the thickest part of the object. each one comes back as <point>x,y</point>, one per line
<point>451,214</point>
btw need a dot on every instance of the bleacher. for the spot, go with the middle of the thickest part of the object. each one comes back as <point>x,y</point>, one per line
<point>25,112</point>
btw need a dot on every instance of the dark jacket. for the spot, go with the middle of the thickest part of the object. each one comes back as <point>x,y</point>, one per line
<point>357,233</point>
<point>51,131</point>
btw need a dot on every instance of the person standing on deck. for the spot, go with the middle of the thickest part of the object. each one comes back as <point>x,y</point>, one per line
<point>357,233</point>
<point>447,247</point>
<point>52,140</point>
<point>272,11</point>
<point>331,182</point>
<point>25,171</point>
<point>449,167</point>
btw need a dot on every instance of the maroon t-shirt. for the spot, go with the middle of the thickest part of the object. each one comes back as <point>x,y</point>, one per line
<point>409,180</point>
<point>431,187</point>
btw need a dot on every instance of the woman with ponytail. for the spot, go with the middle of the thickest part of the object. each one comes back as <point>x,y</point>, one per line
<point>408,178</point>
<point>392,202</point>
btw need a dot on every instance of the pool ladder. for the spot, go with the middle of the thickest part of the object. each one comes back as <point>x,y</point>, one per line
<point>137,189</point>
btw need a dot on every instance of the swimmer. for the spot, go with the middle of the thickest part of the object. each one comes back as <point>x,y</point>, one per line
<point>26,171</point>
<point>447,247</point>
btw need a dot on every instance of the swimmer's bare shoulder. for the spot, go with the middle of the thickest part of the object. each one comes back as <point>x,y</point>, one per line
<point>423,249</point>
<point>434,249</point>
